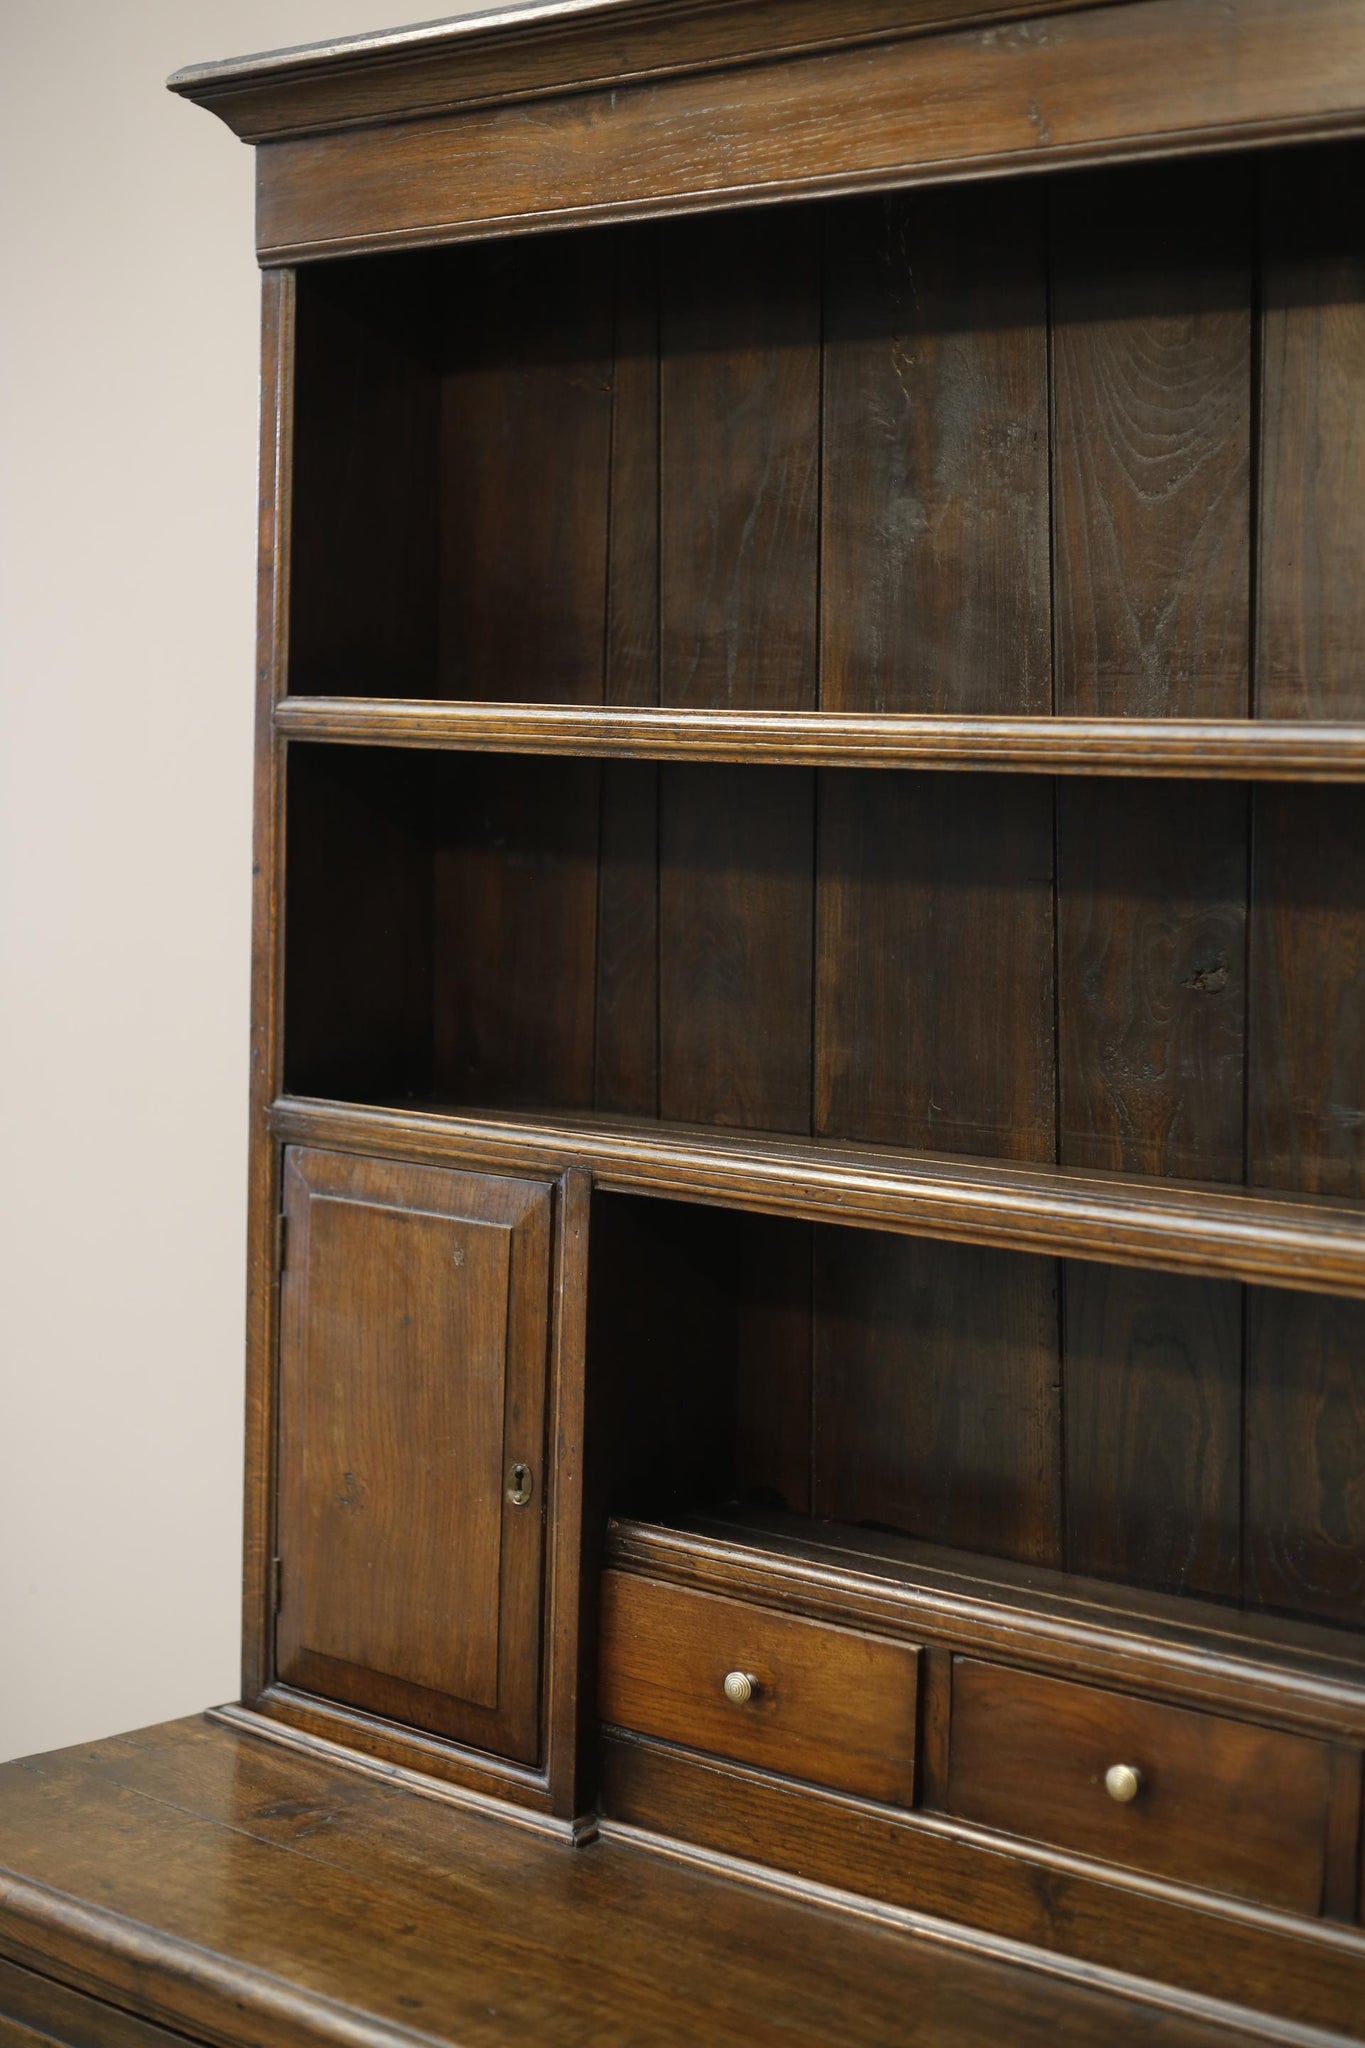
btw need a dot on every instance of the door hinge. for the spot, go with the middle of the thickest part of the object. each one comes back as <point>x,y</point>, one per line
<point>281,1242</point>
<point>276,1574</point>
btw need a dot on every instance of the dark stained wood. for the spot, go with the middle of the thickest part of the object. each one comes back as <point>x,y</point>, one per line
<point>1305,1474</point>
<point>1117,1219</point>
<point>358,938</point>
<point>633,562</point>
<point>1151,296</point>
<point>936,1393</point>
<point>934,997</point>
<point>936,1713</point>
<point>1153,1406</point>
<point>466,60</point>
<point>413,1368</point>
<point>626,1042</point>
<point>1151,972</point>
<point>1234,1808</point>
<point>1341,1881</point>
<point>243,1874</point>
<point>905,112</point>
<point>35,2012</point>
<point>572,1522</point>
<point>515,932</point>
<point>830,1704</point>
<point>1306,1076</point>
<point>739,462</point>
<point>736,889</point>
<point>364,481</point>
<point>1251,1666</point>
<point>935,481</point>
<point>773,1342</point>
<point>1311,608</point>
<point>1049,1899</point>
<point>525,460</point>
<point>1190,749</point>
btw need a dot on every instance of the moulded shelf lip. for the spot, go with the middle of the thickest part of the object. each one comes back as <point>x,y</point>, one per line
<point>1289,1241</point>
<point>1235,749</point>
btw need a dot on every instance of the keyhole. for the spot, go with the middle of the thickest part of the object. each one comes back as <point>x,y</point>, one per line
<point>519,1485</point>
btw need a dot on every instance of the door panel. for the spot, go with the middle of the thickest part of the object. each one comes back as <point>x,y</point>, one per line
<point>415,1317</point>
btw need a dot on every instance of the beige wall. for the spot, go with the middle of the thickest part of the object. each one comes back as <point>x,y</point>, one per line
<point>127,479</point>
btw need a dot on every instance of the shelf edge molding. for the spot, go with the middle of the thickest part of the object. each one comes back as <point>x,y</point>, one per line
<point>1237,749</point>
<point>1175,1226</point>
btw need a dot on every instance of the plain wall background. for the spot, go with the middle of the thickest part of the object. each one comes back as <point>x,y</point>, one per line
<point>128,380</point>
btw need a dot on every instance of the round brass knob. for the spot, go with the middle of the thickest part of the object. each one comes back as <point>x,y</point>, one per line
<point>1123,1782</point>
<point>740,1687</point>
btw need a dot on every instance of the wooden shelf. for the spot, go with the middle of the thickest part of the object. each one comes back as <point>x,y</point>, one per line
<point>1280,1241</point>
<point>1221,749</point>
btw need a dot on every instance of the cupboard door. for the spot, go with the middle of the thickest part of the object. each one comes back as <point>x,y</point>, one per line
<point>414,1328</point>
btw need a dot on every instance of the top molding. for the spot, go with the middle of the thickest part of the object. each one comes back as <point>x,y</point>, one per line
<point>536,48</point>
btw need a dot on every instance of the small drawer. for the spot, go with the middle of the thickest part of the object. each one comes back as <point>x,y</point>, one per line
<point>1183,1795</point>
<point>831,1705</point>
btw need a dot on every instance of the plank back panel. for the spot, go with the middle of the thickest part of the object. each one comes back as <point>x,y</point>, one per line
<point>413,1360</point>
<point>934,992</point>
<point>1152,438</point>
<point>526,418</point>
<point>1153,1405</point>
<point>1310,592</point>
<point>934,584</point>
<point>1151,972</point>
<point>936,1392</point>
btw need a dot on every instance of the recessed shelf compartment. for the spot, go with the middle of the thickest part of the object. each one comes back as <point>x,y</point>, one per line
<point>1171,1433</point>
<point>1101,977</point>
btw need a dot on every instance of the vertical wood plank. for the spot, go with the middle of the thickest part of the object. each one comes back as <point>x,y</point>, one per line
<point>1311,611</point>
<point>526,419</point>
<point>626,1056</point>
<point>574,1563</point>
<point>1151,441</point>
<point>1306,1072</point>
<point>935,572</point>
<point>736,904</point>
<point>740,330</point>
<point>1153,1401</point>
<point>1151,974</point>
<point>936,1392</point>
<point>515,920</point>
<point>936,1718</point>
<point>633,562</point>
<point>366,444</point>
<point>1305,1455</point>
<point>934,1024</point>
<point>1341,1874</point>
<point>773,1277</point>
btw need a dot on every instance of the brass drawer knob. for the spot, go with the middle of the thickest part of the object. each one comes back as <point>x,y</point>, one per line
<point>740,1688</point>
<point>1123,1782</point>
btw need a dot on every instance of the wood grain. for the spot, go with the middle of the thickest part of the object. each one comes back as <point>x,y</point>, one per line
<point>526,421</point>
<point>934,998</point>
<point>413,1368</point>
<point>736,889</point>
<point>1153,1403</point>
<point>1310,607</point>
<point>626,1034</point>
<point>1029,1756</point>
<point>514,932</point>
<point>935,482</point>
<point>1151,299</point>
<point>1151,978</point>
<point>936,1393</point>
<point>1191,749</point>
<point>1305,1477</point>
<point>830,1704</point>
<point>774,1277</point>
<point>739,462</point>
<point>883,116</point>
<point>1306,1070</point>
<point>1115,1218</point>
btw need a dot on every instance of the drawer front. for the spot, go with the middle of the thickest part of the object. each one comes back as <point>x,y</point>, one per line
<point>831,1705</point>
<point>1238,1809</point>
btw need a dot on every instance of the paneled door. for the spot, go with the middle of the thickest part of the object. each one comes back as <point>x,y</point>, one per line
<point>414,1334</point>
